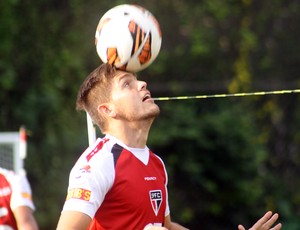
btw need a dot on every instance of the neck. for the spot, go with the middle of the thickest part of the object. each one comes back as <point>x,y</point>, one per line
<point>132,134</point>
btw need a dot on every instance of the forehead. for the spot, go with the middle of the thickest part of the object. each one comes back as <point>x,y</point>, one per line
<point>123,75</point>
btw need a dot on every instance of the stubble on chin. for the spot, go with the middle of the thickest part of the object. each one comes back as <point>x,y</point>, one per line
<point>155,113</point>
<point>151,115</point>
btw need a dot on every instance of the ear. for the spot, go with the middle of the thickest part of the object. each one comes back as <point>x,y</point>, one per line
<point>107,110</point>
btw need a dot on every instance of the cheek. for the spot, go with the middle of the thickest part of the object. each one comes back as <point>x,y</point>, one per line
<point>125,98</point>
<point>127,107</point>
<point>127,104</point>
<point>120,95</point>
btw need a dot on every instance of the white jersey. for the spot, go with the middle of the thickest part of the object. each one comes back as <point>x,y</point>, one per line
<point>15,192</point>
<point>21,191</point>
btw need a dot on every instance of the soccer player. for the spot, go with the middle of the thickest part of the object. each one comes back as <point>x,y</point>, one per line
<point>16,205</point>
<point>118,182</point>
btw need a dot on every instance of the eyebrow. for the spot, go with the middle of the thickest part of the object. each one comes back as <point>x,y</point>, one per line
<point>121,76</point>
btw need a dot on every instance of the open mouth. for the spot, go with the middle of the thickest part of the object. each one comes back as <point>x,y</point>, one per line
<point>146,97</point>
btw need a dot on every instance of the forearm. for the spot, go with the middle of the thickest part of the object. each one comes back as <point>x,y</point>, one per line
<point>28,226</point>
<point>25,219</point>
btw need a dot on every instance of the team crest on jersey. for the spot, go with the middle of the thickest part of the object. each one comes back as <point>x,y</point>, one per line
<point>156,200</point>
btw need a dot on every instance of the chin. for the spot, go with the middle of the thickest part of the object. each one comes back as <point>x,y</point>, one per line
<point>152,114</point>
<point>156,111</point>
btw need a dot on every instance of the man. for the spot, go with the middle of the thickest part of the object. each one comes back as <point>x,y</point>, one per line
<point>16,205</point>
<point>118,183</point>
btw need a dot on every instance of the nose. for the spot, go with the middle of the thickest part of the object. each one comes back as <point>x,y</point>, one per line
<point>142,85</point>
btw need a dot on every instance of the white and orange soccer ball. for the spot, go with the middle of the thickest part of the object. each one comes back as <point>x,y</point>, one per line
<point>128,37</point>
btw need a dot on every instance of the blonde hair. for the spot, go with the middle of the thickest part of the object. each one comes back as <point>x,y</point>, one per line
<point>96,90</point>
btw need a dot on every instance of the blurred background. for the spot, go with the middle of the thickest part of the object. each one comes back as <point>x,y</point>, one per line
<point>229,160</point>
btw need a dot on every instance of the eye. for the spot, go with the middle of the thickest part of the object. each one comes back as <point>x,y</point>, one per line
<point>127,81</point>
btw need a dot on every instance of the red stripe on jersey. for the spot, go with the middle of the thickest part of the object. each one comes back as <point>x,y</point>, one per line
<point>97,148</point>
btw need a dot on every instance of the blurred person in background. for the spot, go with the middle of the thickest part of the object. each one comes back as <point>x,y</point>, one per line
<point>16,205</point>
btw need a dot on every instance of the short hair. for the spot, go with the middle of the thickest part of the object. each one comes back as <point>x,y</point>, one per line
<point>95,90</point>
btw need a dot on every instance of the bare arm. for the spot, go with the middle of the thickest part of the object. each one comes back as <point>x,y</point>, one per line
<point>265,223</point>
<point>25,219</point>
<point>72,220</point>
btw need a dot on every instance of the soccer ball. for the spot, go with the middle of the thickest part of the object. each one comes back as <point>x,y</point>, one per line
<point>128,37</point>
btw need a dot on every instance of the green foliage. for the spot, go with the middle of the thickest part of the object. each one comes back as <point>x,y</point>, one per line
<point>211,154</point>
<point>228,160</point>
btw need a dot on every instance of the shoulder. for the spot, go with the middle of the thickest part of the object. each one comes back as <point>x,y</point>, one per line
<point>97,160</point>
<point>100,150</point>
<point>157,158</point>
<point>160,163</point>
<point>14,179</point>
<point>8,174</point>
<point>91,178</point>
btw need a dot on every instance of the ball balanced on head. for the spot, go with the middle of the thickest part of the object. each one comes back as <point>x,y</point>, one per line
<point>128,37</point>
